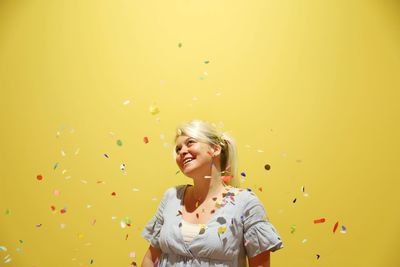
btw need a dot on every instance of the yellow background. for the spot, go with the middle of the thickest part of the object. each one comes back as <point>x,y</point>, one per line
<point>309,87</point>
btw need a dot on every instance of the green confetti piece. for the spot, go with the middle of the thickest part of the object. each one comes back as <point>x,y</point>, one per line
<point>179,45</point>
<point>293,228</point>
<point>21,241</point>
<point>8,211</point>
<point>119,142</point>
<point>206,62</point>
<point>201,78</point>
<point>178,171</point>
<point>91,261</point>
<point>55,166</point>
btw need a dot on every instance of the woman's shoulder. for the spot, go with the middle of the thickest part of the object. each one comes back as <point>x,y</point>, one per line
<point>245,195</point>
<point>174,190</point>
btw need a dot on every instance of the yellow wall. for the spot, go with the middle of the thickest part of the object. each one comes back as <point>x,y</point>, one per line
<point>309,87</point>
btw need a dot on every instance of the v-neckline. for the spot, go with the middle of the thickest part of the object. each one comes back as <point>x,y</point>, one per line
<point>212,218</point>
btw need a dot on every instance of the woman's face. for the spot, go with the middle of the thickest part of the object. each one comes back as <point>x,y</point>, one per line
<point>193,156</point>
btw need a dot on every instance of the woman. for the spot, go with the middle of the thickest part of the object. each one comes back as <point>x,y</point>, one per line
<point>209,223</point>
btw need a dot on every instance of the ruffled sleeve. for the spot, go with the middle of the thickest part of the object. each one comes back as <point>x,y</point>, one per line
<point>152,229</point>
<point>259,234</point>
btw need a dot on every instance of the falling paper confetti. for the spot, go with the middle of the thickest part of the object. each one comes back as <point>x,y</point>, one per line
<point>64,210</point>
<point>243,174</point>
<point>55,166</point>
<point>292,228</point>
<point>343,231</point>
<point>3,248</point>
<point>113,194</point>
<point>221,229</point>
<point>39,177</point>
<point>154,109</point>
<point>318,256</point>
<point>335,227</point>
<point>226,178</point>
<point>105,155</point>
<point>132,254</point>
<point>145,139</point>
<point>126,102</point>
<point>322,220</point>
<point>119,142</point>
<point>267,167</point>
<point>180,45</point>
<point>122,167</point>
<point>56,192</point>
<point>206,61</point>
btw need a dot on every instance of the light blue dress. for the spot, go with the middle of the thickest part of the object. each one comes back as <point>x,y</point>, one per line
<point>244,231</point>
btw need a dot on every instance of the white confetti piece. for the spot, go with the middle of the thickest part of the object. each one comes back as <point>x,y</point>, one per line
<point>126,102</point>
<point>88,206</point>
<point>154,199</point>
<point>62,226</point>
<point>260,151</point>
<point>113,217</point>
<point>77,151</point>
<point>135,190</point>
<point>217,93</point>
<point>132,254</point>
<point>304,241</point>
<point>3,248</point>
<point>64,171</point>
<point>84,181</point>
<point>62,152</point>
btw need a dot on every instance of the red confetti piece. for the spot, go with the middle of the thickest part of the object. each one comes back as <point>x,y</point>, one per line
<point>335,227</point>
<point>39,177</point>
<point>145,139</point>
<point>113,194</point>
<point>62,211</point>
<point>322,220</point>
<point>226,178</point>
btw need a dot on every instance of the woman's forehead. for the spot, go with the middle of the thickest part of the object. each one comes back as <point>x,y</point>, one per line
<point>182,139</point>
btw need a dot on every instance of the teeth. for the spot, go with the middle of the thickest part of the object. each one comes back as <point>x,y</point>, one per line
<point>186,161</point>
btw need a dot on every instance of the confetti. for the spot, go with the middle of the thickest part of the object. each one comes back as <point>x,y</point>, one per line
<point>206,61</point>
<point>113,194</point>
<point>202,229</point>
<point>267,167</point>
<point>304,241</point>
<point>135,190</point>
<point>180,45</point>
<point>55,166</point>
<point>221,229</point>
<point>106,155</point>
<point>343,231</point>
<point>91,261</point>
<point>64,210</point>
<point>7,259</point>
<point>39,177</point>
<point>8,211</point>
<point>132,254</point>
<point>292,228</point>
<point>260,151</point>
<point>56,192</point>
<point>133,263</point>
<point>207,177</point>
<point>154,109</point>
<point>322,220</point>
<point>145,139</point>
<point>119,142</point>
<point>243,174</point>
<point>77,151</point>
<point>3,248</point>
<point>260,188</point>
<point>226,178</point>
<point>64,171</point>
<point>38,225</point>
<point>126,102</point>
<point>335,227</point>
<point>62,152</point>
<point>294,200</point>
<point>318,256</point>
<point>93,221</point>
<point>177,172</point>
<point>53,208</point>
<point>122,167</point>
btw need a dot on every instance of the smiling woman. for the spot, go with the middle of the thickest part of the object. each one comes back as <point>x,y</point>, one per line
<point>212,222</point>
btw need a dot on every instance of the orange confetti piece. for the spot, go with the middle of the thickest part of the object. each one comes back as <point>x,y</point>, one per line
<point>62,211</point>
<point>260,188</point>
<point>335,227</point>
<point>113,194</point>
<point>226,178</point>
<point>39,177</point>
<point>322,220</point>
<point>145,139</point>
<point>53,208</point>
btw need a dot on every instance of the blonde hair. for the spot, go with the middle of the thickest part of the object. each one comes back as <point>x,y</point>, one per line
<point>207,133</point>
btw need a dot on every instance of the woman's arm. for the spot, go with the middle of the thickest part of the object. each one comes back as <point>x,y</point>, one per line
<point>151,257</point>
<point>260,260</point>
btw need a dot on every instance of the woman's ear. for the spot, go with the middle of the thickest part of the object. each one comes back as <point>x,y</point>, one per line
<point>215,151</point>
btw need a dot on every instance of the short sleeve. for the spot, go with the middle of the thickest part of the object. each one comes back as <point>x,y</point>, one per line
<point>152,229</point>
<point>259,234</point>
